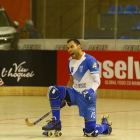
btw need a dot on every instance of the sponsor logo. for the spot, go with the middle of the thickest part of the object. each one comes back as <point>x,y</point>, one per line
<point>120,69</point>
<point>82,85</point>
<point>17,71</point>
<point>61,47</point>
<point>32,47</point>
<point>1,82</point>
<point>98,47</point>
<point>95,65</point>
<point>131,47</point>
<point>81,69</point>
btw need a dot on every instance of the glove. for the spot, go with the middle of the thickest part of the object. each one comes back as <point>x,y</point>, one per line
<point>88,93</point>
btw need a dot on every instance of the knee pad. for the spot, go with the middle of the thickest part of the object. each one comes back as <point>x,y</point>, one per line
<point>55,92</point>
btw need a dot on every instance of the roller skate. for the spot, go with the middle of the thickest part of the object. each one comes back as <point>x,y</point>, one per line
<point>90,133</point>
<point>52,128</point>
<point>108,123</point>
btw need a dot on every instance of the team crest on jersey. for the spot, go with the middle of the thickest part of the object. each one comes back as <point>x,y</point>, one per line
<point>95,65</point>
<point>72,68</point>
<point>81,68</point>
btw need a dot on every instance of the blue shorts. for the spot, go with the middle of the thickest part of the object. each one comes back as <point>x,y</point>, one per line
<point>87,109</point>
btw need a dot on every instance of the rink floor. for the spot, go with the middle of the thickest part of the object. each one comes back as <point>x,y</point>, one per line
<point>124,114</point>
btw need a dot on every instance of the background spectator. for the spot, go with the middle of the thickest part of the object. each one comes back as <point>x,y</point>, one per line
<point>29,31</point>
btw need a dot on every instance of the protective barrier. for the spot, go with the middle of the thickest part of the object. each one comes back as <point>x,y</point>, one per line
<point>28,68</point>
<point>30,72</point>
<point>118,69</point>
<point>91,44</point>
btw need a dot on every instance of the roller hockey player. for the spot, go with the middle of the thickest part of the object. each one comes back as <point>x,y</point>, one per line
<point>81,90</point>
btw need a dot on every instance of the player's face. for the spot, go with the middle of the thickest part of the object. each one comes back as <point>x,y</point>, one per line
<point>73,49</point>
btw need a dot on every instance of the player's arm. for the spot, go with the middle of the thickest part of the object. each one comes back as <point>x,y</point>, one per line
<point>94,70</point>
<point>70,82</point>
<point>89,93</point>
<point>96,81</point>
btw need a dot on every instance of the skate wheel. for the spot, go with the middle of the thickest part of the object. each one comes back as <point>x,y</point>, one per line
<point>57,134</point>
<point>102,117</point>
<point>107,116</point>
<point>60,134</point>
<point>110,123</point>
<point>48,134</point>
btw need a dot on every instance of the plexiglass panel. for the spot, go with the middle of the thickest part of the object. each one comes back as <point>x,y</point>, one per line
<point>64,19</point>
<point>58,18</point>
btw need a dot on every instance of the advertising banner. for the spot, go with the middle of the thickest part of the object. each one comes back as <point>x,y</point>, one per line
<point>42,44</point>
<point>28,68</point>
<point>88,44</point>
<point>118,69</point>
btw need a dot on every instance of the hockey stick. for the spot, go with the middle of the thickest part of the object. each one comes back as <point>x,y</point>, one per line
<point>34,123</point>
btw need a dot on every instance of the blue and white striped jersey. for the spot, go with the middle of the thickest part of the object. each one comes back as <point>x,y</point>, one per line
<point>82,71</point>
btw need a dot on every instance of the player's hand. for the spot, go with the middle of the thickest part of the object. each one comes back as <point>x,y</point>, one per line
<point>88,93</point>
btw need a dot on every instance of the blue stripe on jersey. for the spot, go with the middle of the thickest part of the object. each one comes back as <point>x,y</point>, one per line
<point>78,75</point>
<point>92,64</point>
<point>69,67</point>
<point>89,63</point>
<point>95,72</point>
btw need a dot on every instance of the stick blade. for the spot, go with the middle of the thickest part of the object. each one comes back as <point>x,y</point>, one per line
<point>28,123</point>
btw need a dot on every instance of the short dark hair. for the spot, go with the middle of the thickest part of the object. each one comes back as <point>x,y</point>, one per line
<point>76,41</point>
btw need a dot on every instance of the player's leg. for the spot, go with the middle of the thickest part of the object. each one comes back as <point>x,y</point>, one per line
<point>88,111</point>
<point>56,95</point>
<point>105,127</point>
<point>93,130</point>
<point>90,128</point>
<point>66,99</point>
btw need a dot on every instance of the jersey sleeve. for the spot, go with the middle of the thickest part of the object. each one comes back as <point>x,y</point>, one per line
<point>93,65</point>
<point>69,68</point>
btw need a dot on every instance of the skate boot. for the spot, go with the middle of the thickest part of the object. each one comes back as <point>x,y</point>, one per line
<point>90,133</point>
<point>52,128</point>
<point>108,123</point>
